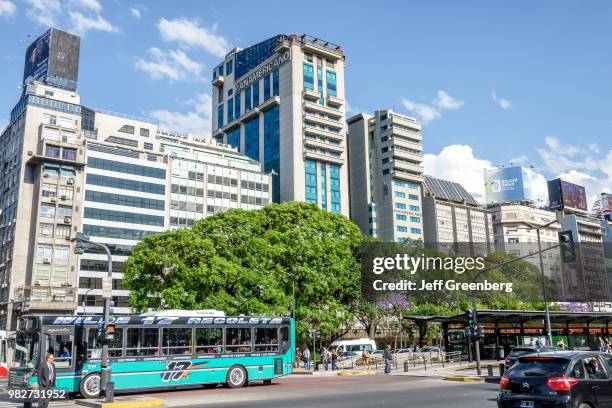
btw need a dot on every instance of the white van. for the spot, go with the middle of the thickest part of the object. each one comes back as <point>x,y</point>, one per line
<point>355,345</point>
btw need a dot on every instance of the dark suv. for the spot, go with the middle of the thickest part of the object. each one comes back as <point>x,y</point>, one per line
<point>565,379</point>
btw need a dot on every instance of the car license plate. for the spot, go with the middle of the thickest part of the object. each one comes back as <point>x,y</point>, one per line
<point>527,404</point>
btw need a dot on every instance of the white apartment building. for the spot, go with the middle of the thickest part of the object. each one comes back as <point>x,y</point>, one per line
<point>454,221</point>
<point>281,102</point>
<point>514,226</point>
<point>386,175</point>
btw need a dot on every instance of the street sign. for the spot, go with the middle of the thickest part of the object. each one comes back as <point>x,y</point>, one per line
<point>107,287</point>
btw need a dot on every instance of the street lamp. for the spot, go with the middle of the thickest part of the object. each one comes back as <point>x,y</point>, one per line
<point>85,300</point>
<point>83,243</point>
<point>292,276</point>
<point>544,290</point>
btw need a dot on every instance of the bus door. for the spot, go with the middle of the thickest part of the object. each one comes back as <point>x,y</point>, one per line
<point>60,342</point>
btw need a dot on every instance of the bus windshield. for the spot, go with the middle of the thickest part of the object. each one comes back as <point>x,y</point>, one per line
<point>26,350</point>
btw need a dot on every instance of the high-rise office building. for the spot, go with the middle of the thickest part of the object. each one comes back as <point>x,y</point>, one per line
<point>281,102</point>
<point>66,168</point>
<point>453,221</point>
<point>386,175</point>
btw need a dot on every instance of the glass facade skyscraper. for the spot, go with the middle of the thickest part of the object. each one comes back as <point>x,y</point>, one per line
<point>290,111</point>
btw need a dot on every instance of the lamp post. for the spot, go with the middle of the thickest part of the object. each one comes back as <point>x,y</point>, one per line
<point>83,243</point>
<point>544,289</point>
<point>85,300</point>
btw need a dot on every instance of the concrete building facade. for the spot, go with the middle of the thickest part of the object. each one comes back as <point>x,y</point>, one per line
<point>281,102</point>
<point>454,221</point>
<point>386,175</point>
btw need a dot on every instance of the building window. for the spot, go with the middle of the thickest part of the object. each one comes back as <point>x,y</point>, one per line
<point>415,219</point>
<point>400,217</point>
<point>415,208</point>
<point>67,137</point>
<point>400,206</point>
<point>47,210</point>
<point>266,86</point>
<point>144,132</point>
<point>308,76</point>
<point>413,196</point>
<point>415,231</point>
<point>49,190</point>
<point>275,90</point>
<point>256,94</point>
<point>122,141</point>
<point>64,211</point>
<point>320,85</point>
<point>400,194</point>
<point>46,230</point>
<point>247,99</point>
<point>127,129</point>
<point>52,151</point>
<point>44,251</point>
<point>229,67</point>
<point>385,160</point>
<point>220,116</point>
<point>272,149</point>
<point>334,187</point>
<point>61,251</point>
<point>62,231</point>
<point>221,70</point>
<point>126,168</point>
<point>251,138</point>
<point>237,105</point>
<point>69,154</point>
<point>331,83</point>
<point>230,109</point>
<point>385,172</point>
<point>323,187</point>
<point>233,138</point>
<point>311,181</point>
<point>148,146</point>
<point>400,228</point>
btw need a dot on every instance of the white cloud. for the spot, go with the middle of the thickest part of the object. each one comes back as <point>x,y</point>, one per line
<point>92,5</point>
<point>445,101</point>
<point>43,11</point>
<point>536,187</point>
<point>174,65</point>
<point>81,24</point>
<point>501,102</point>
<point>135,12</point>
<point>189,33</point>
<point>559,157</point>
<point>519,160</point>
<point>7,8</point>
<point>457,163</point>
<point>429,112</point>
<point>196,122</point>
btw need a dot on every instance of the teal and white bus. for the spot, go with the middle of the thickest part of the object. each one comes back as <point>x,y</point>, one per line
<point>154,350</point>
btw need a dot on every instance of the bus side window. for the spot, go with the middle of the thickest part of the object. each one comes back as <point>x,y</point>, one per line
<point>61,347</point>
<point>94,348</point>
<point>284,338</point>
<point>266,339</point>
<point>176,341</point>
<point>209,340</point>
<point>142,342</point>
<point>238,340</point>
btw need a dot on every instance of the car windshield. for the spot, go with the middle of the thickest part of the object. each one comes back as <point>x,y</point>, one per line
<point>539,367</point>
<point>26,350</point>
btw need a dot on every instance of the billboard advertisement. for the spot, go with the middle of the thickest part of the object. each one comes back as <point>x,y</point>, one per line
<point>53,58</point>
<point>563,195</point>
<point>37,59</point>
<point>606,205</point>
<point>504,184</point>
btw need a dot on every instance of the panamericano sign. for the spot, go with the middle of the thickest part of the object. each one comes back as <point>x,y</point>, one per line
<point>262,70</point>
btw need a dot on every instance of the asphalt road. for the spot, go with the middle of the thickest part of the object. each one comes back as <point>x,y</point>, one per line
<point>342,392</point>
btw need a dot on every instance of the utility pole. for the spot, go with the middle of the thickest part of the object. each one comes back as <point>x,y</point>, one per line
<point>83,243</point>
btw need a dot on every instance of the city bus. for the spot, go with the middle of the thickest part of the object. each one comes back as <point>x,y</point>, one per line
<point>155,350</point>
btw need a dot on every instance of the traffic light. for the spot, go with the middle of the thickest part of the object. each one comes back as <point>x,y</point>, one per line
<point>110,331</point>
<point>566,243</point>
<point>261,290</point>
<point>470,318</point>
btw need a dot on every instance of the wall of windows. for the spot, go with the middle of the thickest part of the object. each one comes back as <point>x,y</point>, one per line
<point>123,184</point>
<point>233,138</point>
<point>247,99</point>
<point>122,216</point>
<point>251,57</point>
<point>323,186</point>
<point>237,104</point>
<point>116,233</point>
<point>320,84</point>
<point>311,181</point>
<point>272,149</point>
<point>331,83</point>
<point>251,138</point>
<point>275,79</point>
<point>220,115</point>
<point>334,187</point>
<point>126,168</point>
<point>308,76</point>
<point>256,94</point>
<point>230,109</point>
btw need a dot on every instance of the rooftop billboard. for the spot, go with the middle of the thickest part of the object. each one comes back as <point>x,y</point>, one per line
<point>563,195</point>
<point>504,184</point>
<point>606,205</point>
<point>53,58</point>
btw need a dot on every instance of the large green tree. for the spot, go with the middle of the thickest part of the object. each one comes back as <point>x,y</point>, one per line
<point>222,261</point>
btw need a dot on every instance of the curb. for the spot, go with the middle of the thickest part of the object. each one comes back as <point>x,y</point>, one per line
<point>356,373</point>
<point>149,402</point>
<point>465,379</point>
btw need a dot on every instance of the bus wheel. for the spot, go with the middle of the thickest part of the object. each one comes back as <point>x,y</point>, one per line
<point>268,381</point>
<point>90,386</point>
<point>236,377</point>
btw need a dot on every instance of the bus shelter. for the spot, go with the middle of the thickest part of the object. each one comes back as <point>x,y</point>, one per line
<point>507,329</point>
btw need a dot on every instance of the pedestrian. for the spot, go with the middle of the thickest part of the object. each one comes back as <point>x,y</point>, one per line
<point>538,343</point>
<point>334,359</point>
<point>602,344</point>
<point>298,356</point>
<point>365,355</point>
<point>306,359</point>
<point>387,357</point>
<point>561,344</point>
<point>46,380</point>
<point>325,356</point>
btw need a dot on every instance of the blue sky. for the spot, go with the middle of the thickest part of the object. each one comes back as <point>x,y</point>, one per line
<point>493,82</point>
